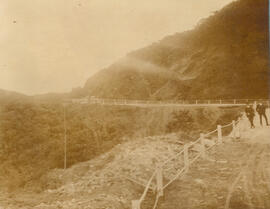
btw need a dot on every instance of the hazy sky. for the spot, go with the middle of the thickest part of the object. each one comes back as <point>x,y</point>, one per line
<point>54,45</point>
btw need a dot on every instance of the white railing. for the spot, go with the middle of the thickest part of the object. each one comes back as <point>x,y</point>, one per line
<point>198,102</point>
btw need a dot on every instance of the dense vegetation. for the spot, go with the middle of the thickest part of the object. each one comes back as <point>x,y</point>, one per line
<point>32,135</point>
<point>225,56</point>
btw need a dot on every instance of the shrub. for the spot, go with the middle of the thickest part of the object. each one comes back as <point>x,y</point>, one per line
<point>181,121</point>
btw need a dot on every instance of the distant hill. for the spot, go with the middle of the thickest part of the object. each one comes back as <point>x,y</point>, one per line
<point>11,96</point>
<point>225,56</point>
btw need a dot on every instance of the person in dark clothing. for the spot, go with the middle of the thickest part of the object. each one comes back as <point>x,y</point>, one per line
<point>261,111</point>
<point>250,115</point>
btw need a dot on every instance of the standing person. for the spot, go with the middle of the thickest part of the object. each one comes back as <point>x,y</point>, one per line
<point>250,115</point>
<point>261,111</point>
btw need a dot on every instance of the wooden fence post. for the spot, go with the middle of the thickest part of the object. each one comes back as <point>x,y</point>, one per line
<point>238,135</point>
<point>234,101</point>
<point>234,129</point>
<point>203,145</point>
<point>186,158</point>
<point>136,204</point>
<point>196,101</point>
<point>159,179</point>
<point>219,134</point>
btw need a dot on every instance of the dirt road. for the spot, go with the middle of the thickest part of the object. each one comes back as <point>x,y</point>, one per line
<point>238,179</point>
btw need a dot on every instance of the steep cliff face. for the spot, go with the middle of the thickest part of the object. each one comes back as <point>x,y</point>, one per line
<point>226,55</point>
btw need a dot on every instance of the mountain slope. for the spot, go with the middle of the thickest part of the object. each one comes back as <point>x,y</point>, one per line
<point>226,56</point>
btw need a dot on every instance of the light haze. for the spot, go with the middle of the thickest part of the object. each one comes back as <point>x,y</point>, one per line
<point>55,45</point>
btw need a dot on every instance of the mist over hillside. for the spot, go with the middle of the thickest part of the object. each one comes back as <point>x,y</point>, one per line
<point>225,56</point>
<point>57,153</point>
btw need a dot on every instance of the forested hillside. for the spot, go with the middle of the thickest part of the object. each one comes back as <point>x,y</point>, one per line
<point>32,135</point>
<point>225,56</point>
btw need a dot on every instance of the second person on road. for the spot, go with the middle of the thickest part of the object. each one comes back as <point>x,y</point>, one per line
<point>250,115</point>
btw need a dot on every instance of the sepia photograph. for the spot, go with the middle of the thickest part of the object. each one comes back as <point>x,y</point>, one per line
<point>123,104</point>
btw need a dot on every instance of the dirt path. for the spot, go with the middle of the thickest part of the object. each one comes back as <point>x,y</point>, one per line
<point>242,182</point>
